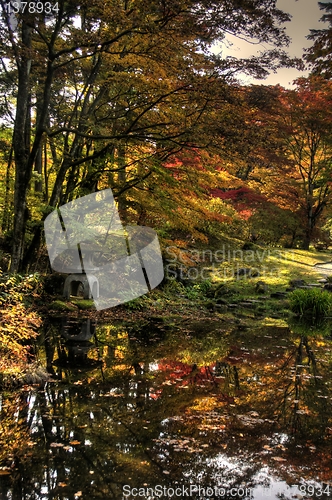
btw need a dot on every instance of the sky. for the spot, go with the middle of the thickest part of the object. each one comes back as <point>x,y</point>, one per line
<point>305,16</point>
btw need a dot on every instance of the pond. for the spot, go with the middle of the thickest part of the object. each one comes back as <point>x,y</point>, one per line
<point>157,410</point>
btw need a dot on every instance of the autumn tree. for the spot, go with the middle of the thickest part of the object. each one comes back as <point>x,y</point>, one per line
<point>259,184</point>
<point>305,122</point>
<point>319,54</point>
<point>98,86</point>
<point>287,151</point>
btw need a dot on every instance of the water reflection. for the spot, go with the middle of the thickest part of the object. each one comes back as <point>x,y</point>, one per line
<point>71,348</point>
<point>171,407</point>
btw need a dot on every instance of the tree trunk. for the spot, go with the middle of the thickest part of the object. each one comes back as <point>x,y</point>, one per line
<point>20,150</point>
<point>45,173</point>
<point>306,242</point>
<point>39,169</point>
<point>308,233</point>
<point>6,212</point>
<point>24,158</point>
<point>122,177</point>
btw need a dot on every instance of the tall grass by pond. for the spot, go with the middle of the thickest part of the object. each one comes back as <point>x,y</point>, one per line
<point>312,303</point>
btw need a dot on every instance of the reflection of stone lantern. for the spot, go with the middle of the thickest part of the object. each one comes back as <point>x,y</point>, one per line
<point>79,332</point>
<point>78,335</point>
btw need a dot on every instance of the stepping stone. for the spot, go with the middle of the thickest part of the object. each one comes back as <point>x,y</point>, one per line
<point>278,295</point>
<point>297,283</point>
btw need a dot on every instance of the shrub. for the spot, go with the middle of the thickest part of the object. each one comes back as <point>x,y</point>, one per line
<point>137,304</point>
<point>205,286</point>
<point>18,327</point>
<point>314,303</point>
<point>174,287</point>
<point>19,289</point>
<point>18,322</point>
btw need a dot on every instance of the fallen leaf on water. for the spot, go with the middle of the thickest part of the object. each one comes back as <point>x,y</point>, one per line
<point>279,459</point>
<point>4,472</point>
<point>62,484</point>
<point>74,442</point>
<point>56,445</point>
<point>78,494</point>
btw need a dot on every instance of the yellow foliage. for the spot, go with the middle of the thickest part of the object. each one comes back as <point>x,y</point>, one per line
<point>17,327</point>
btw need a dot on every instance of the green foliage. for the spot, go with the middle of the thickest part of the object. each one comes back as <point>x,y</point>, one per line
<point>84,303</point>
<point>174,287</point>
<point>199,290</point>
<point>193,292</point>
<point>312,303</point>
<point>138,304</point>
<point>60,305</point>
<point>205,286</point>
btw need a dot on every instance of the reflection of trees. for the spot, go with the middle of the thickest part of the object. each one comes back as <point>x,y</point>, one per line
<point>292,390</point>
<point>309,415</point>
<point>230,374</point>
<point>95,429</point>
